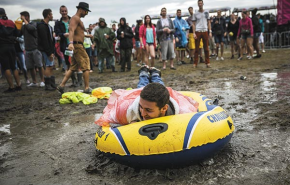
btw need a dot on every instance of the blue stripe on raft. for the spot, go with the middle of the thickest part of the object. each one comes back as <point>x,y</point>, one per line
<point>209,106</point>
<point>203,98</point>
<point>176,159</point>
<point>189,128</point>
<point>118,134</point>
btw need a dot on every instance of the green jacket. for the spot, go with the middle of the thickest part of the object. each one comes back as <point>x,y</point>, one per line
<point>104,46</point>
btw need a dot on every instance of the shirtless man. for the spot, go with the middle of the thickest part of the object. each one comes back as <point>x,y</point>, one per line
<point>80,58</point>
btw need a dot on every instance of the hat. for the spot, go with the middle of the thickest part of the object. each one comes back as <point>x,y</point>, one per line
<point>2,11</point>
<point>102,20</point>
<point>84,6</point>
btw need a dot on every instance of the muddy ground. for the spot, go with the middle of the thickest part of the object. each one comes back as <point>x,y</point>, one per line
<point>43,142</point>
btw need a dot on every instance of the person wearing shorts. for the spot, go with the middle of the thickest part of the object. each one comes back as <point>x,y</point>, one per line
<point>80,59</point>
<point>261,38</point>
<point>137,42</point>
<point>219,30</point>
<point>7,51</point>
<point>33,57</point>
<point>46,45</point>
<point>165,30</point>
<point>191,40</point>
<point>246,33</point>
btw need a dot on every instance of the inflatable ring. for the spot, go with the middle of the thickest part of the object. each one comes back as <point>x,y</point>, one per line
<point>169,141</point>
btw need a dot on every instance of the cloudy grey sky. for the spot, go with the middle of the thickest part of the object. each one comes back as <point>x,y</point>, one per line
<point>115,9</point>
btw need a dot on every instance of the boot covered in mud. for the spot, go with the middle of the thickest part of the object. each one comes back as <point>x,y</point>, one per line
<point>74,80</point>
<point>47,81</point>
<point>113,69</point>
<point>52,80</point>
<point>80,79</point>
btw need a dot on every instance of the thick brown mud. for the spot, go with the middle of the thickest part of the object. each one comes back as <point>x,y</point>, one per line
<point>43,142</point>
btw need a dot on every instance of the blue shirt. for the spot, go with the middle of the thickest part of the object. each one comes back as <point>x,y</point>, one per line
<point>149,35</point>
<point>66,24</point>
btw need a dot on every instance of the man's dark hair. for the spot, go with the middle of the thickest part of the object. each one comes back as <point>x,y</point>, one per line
<point>254,12</point>
<point>178,10</point>
<point>190,7</point>
<point>114,24</point>
<point>46,12</point>
<point>155,92</point>
<point>199,0</point>
<point>62,6</point>
<point>25,13</point>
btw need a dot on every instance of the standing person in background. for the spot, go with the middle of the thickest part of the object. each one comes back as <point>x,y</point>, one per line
<point>137,42</point>
<point>94,52</point>
<point>148,40</point>
<point>212,45</point>
<point>257,32</point>
<point>125,35</point>
<point>180,36</point>
<point>88,46</point>
<point>19,48</point>
<point>61,29</point>
<point>233,32</point>
<point>261,38</point>
<point>46,45</point>
<point>165,31</point>
<point>8,34</point>
<point>246,33</point>
<point>104,38</point>
<point>33,57</point>
<point>116,54</point>
<point>191,43</point>
<point>80,59</point>
<point>219,30</point>
<point>201,27</point>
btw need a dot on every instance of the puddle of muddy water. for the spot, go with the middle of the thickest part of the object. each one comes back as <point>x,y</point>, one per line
<point>268,86</point>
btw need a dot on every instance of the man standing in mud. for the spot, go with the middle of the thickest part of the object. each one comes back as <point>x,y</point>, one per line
<point>201,26</point>
<point>46,46</point>
<point>80,59</point>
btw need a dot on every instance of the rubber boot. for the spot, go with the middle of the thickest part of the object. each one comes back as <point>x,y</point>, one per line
<point>113,69</point>
<point>74,80</point>
<point>47,81</point>
<point>52,80</point>
<point>80,79</point>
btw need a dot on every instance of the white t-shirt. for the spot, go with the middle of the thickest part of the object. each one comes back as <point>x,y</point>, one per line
<point>94,30</point>
<point>201,19</point>
<point>165,22</point>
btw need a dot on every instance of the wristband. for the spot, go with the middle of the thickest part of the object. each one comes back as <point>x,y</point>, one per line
<point>210,31</point>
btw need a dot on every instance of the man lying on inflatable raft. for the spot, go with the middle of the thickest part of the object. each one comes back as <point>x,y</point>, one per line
<point>150,100</point>
<point>168,129</point>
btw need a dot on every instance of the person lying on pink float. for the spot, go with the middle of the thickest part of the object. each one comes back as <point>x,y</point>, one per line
<point>148,101</point>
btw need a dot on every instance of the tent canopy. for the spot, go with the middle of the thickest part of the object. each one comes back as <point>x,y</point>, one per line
<point>270,7</point>
<point>186,14</point>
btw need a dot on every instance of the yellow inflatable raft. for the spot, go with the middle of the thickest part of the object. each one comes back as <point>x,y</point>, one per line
<point>169,141</point>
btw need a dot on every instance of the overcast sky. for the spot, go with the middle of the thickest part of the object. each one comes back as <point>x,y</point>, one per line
<point>115,9</point>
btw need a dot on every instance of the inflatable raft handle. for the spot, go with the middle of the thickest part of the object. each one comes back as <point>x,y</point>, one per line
<point>153,130</point>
